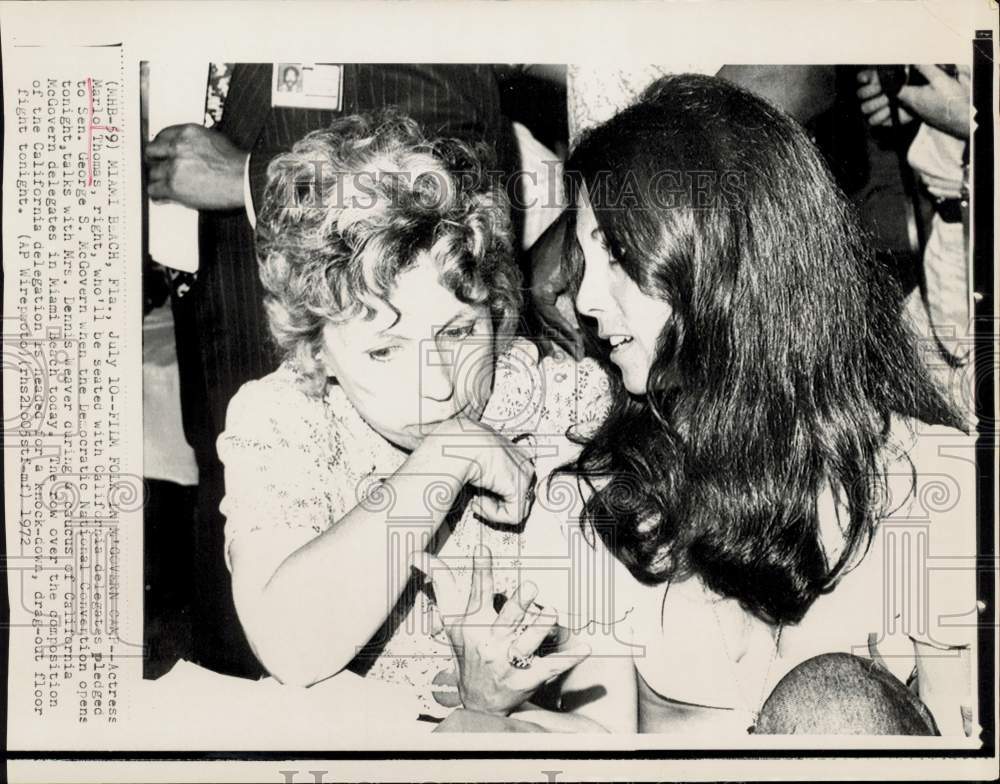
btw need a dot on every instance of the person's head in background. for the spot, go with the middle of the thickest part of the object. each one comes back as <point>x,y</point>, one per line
<point>758,348</point>
<point>387,262</point>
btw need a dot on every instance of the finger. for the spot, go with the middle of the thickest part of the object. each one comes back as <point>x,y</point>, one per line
<point>562,342</point>
<point>495,510</point>
<point>160,171</point>
<point>547,347</point>
<point>164,143</point>
<point>869,90</point>
<point>527,500</point>
<point>448,592</point>
<point>866,76</point>
<point>542,670</point>
<point>556,326</point>
<point>576,346</point>
<point>881,117</point>
<point>540,623</point>
<point>516,499</point>
<point>934,75</point>
<point>872,105</point>
<point>481,595</point>
<point>527,447</point>
<point>544,296</point>
<point>524,455</point>
<point>160,191</point>
<point>571,341</point>
<point>509,511</point>
<point>512,613</point>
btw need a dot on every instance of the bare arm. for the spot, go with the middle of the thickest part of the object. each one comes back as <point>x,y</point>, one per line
<point>944,683</point>
<point>307,619</point>
<point>602,689</point>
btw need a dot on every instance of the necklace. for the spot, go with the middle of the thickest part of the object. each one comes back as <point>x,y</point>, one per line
<point>754,711</point>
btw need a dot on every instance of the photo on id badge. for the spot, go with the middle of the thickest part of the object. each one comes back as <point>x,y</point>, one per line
<point>307,85</point>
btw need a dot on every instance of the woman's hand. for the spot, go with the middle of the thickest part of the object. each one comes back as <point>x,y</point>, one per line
<point>495,651</point>
<point>505,471</point>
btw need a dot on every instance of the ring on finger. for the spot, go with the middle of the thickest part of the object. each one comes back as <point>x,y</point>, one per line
<point>518,661</point>
<point>531,615</point>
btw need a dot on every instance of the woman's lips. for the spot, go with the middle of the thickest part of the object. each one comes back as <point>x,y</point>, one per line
<point>622,346</point>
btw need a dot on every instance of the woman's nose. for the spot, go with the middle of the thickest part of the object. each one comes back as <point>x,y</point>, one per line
<point>437,378</point>
<point>588,295</point>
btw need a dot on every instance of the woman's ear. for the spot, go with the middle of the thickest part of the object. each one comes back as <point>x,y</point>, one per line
<point>322,362</point>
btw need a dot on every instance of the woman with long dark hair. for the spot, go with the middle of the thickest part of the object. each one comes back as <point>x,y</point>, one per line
<point>772,426</point>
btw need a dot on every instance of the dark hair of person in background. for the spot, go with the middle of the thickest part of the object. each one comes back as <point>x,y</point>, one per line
<point>778,372</point>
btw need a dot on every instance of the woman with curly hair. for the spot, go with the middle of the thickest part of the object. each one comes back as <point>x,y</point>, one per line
<point>393,296</point>
<point>773,441</point>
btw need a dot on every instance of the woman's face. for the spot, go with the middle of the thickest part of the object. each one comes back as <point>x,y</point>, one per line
<point>426,358</point>
<point>629,319</point>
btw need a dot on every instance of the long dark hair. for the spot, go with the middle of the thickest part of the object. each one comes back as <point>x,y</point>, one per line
<point>778,372</point>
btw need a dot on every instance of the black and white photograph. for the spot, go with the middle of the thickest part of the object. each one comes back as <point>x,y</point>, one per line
<point>640,404</point>
<point>730,325</point>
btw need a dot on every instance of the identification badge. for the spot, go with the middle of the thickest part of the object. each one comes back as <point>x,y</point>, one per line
<point>307,86</point>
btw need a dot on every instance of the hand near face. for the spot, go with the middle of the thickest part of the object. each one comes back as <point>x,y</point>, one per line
<point>197,167</point>
<point>485,641</point>
<point>549,280</point>
<point>505,471</point>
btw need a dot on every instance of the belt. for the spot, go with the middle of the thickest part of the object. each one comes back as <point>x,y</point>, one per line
<point>950,210</point>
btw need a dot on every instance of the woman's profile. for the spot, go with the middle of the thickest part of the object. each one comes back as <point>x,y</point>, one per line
<point>772,426</point>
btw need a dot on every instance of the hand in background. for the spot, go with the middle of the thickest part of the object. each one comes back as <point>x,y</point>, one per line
<point>197,167</point>
<point>874,102</point>
<point>549,279</point>
<point>942,103</point>
<point>484,641</point>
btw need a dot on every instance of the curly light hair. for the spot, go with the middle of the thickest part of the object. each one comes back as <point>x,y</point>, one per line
<point>353,205</point>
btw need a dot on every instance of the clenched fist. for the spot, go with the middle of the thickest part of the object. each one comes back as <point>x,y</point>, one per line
<point>197,167</point>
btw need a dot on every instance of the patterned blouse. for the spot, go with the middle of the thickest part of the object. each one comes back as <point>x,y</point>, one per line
<point>298,463</point>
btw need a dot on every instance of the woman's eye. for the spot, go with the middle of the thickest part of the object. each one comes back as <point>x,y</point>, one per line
<point>457,333</point>
<point>382,354</point>
<point>609,250</point>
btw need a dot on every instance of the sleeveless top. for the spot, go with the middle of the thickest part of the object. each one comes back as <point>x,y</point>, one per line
<point>916,582</point>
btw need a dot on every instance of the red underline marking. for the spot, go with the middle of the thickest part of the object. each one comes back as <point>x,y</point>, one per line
<point>91,127</point>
